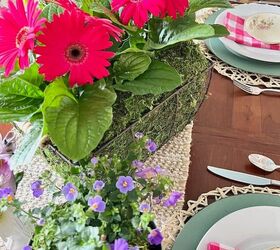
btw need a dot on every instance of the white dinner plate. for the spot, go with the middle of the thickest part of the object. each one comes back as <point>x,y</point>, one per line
<point>247,10</point>
<point>254,228</point>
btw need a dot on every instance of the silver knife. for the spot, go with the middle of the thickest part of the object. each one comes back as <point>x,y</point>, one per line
<point>243,177</point>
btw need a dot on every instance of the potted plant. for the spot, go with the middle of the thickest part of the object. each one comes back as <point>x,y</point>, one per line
<point>108,203</point>
<point>66,63</point>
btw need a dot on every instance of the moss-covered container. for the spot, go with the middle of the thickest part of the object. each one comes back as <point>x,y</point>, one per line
<point>160,117</point>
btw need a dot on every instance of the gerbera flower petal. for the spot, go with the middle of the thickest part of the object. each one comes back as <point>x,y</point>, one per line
<point>138,11</point>
<point>172,8</point>
<point>19,25</point>
<point>77,48</point>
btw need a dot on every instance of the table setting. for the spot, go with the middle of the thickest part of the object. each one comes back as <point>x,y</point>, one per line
<point>239,217</point>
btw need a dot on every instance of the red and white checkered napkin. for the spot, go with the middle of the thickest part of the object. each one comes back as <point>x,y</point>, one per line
<point>235,26</point>
<point>219,246</point>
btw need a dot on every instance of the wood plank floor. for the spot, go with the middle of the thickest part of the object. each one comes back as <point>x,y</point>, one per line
<point>228,127</point>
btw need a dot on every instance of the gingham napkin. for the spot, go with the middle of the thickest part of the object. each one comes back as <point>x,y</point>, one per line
<point>235,26</point>
<point>219,246</point>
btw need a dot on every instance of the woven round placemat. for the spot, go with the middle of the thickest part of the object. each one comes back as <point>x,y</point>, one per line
<point>173,157</point>
<point>232,72</point>
<point>175,223</point>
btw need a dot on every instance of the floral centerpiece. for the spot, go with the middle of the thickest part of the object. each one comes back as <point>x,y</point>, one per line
<point>107,203</point>
<point>65,61</point>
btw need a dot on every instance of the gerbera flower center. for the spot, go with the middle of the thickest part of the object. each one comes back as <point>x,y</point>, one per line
<point>76,53</point>
<point>22,36</point>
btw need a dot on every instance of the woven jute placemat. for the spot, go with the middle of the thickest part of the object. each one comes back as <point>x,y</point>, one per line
<point>232,72</point>
<point>173,157</point>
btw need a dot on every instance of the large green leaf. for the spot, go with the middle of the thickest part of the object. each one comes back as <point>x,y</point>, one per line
<point>196,5</point>
<point>131,65</point>
<point>50,10</point>
<point>166,33</point>
<point>76,127</point>
<point>53,95</point>
<point>159,78</point>
<point>28,146</point>
<point>19,100</point>
<point>32,75</point>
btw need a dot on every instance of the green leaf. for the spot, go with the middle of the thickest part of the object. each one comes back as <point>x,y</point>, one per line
<point>32,75</point>
<point>131,65</point>
<point>159,78</point>
<point>167,33</point>
<point>19,100</point>
<point>77,127</point>
<point>20,87</point>
<point>29,144</point>
<point>50,10</point>
<point>196,5</point>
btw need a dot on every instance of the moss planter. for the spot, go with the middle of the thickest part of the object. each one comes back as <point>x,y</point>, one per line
<point>160,117</point>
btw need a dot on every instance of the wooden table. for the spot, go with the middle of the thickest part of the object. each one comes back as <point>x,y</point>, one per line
<point>228,127</point>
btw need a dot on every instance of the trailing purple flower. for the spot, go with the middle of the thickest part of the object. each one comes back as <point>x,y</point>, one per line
<point>139,135</point>
<point>97,204</point>
<point>98,185</point>
<point>151,146</point>
<point>155,237</point>
<point>125,184</point>
<point>138,164</point>
<point>120,244</point>
<point>146,173</point>
<point>37,188</point>
<point>70,192</point>
<point>94,160</point>
<point>41,222</point>
<point>7,193</point>
<point>27,248</point>
<point>173,199</point>
<point>144,208</point>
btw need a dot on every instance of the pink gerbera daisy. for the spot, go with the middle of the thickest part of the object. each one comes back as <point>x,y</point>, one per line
<point>172,7</point>
<point>18,28</point>
<point>70,45</point>
<point>137,10</point>
<point>114,31</point>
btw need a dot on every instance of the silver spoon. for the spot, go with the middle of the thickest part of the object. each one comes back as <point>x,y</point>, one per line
<point>263,162</point>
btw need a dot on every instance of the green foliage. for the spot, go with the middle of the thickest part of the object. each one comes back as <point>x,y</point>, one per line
<point>77,126</point>
<point>131,65</point>
<point>169,32</point>
<point>28,146</point>
<point>196,5</point>
<point>50,10</point>
<point>76,226</point>
<point>159,78</point>
<point>19,99</point>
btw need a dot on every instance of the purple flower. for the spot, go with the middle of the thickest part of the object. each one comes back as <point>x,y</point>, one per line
<point>173,199</point>
<point>70,192</point>
<point>41,222</point>
<point>94,160</point>
<point>151,146</point>
<point>98,185</point>
<point>37,188</point>
<point>158,169</point>
<point>7,193</point>
<point>97,204</point>
<point>120,244</point>
<point>125,184</point>
<point>27,248</point>
<point>155,237</point>
<point>138,164</point>
<point>144,208</point>
<point>147,173</point>
<point>5,172</point>
<point>158,199</point>
<point>139,135</point>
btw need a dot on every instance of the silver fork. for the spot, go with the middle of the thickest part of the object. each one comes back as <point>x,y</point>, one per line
<point>253,90</point>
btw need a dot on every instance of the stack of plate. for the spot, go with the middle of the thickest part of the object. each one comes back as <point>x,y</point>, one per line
<point>252,59</point>
<point>243,222</point>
